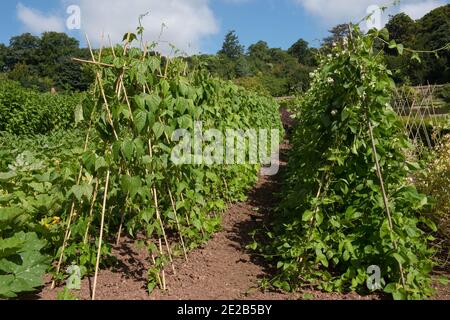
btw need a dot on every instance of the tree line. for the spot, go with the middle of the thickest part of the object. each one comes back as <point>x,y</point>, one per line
<point>284,72</point>
<point>429,33</point>
<point>45,62</point>
<point>271,70</point>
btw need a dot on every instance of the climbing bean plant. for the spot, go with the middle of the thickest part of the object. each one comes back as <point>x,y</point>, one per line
<point>128,183</point>
<point>333,224</point>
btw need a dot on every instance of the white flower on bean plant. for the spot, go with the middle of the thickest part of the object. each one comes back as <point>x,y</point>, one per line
<point>345,41</point>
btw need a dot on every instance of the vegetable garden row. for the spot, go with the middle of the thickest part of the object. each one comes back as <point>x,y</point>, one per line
<point>350,217</point>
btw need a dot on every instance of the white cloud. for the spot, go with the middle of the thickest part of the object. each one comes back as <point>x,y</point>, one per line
<point>418,10</point>
<point>332,12</point>
<point>187,21</point>
<point>37,22</point>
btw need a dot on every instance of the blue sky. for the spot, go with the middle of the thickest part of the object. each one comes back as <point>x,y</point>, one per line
<point>196,25</point>
<point>278,22</point>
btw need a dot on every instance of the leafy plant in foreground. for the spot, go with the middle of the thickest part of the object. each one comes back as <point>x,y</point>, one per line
<point>22,265</point>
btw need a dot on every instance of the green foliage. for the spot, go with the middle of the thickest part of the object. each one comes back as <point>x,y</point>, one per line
<point>231,48</point>
<point>23,74</point>
<point>21,263</point>
<point>45,62</point>
<point>253,84</point>
<point>291,104</point>
<point>66,295</point>
<point>444,94</point>
<point>36,175</point>
<point>23,49</point>
<point>332,223</point>
<point>3,54</point>
<point>401,28</point>
<point>41,174</point>
<point>305,55</point>
<point>428,33</point>
<point>138,144</point>
<point>27,112</point>
<point>264,69</point>
<point>435,182</point>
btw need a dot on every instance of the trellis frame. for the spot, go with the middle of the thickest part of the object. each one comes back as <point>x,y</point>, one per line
<point>417,106</point>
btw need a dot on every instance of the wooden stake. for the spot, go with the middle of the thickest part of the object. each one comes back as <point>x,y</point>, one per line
<point>158,275</point>
<point>69,222</point>
<point>122,219</point>
<point>162,271</point>
<point>158,215</point>
<point>186,214</point>
<point>102,90</point>
<point>100,240</point>
<point>385,198</point>
<point>227,191</point>
<point>174,207</point>
<point>91,211</point>
<point>94,63</point>
<point>166,69</point>
<point>182,197</point>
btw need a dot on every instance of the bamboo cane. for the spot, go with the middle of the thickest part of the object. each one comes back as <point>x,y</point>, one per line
<point>158,215</point>
<point>99,251</point>
<point>163,271</point>
<point>157,276</point>
<point>102,90</point>
<point>174,207</point>
<point>122,219</point>
<point>91,211</point>
<point>385,198</point>
<point>72,210</point>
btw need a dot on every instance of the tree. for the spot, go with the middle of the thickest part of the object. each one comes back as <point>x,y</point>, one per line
<point>242,68</point>
<point>259,56</point>
<point>428,33</point>
<point>46,61</point>
<point>402,28</point>
<point>23,49</point>
<point>259,51</point>
<point>434,28</point>
<point>73,75</point>
<point>434,33</point>
<point>263,69</point>
<point>28,78</point>
<point>3,55</point>
<point>231,47</point>
<point>302,52</point>
<point>54,50</point>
